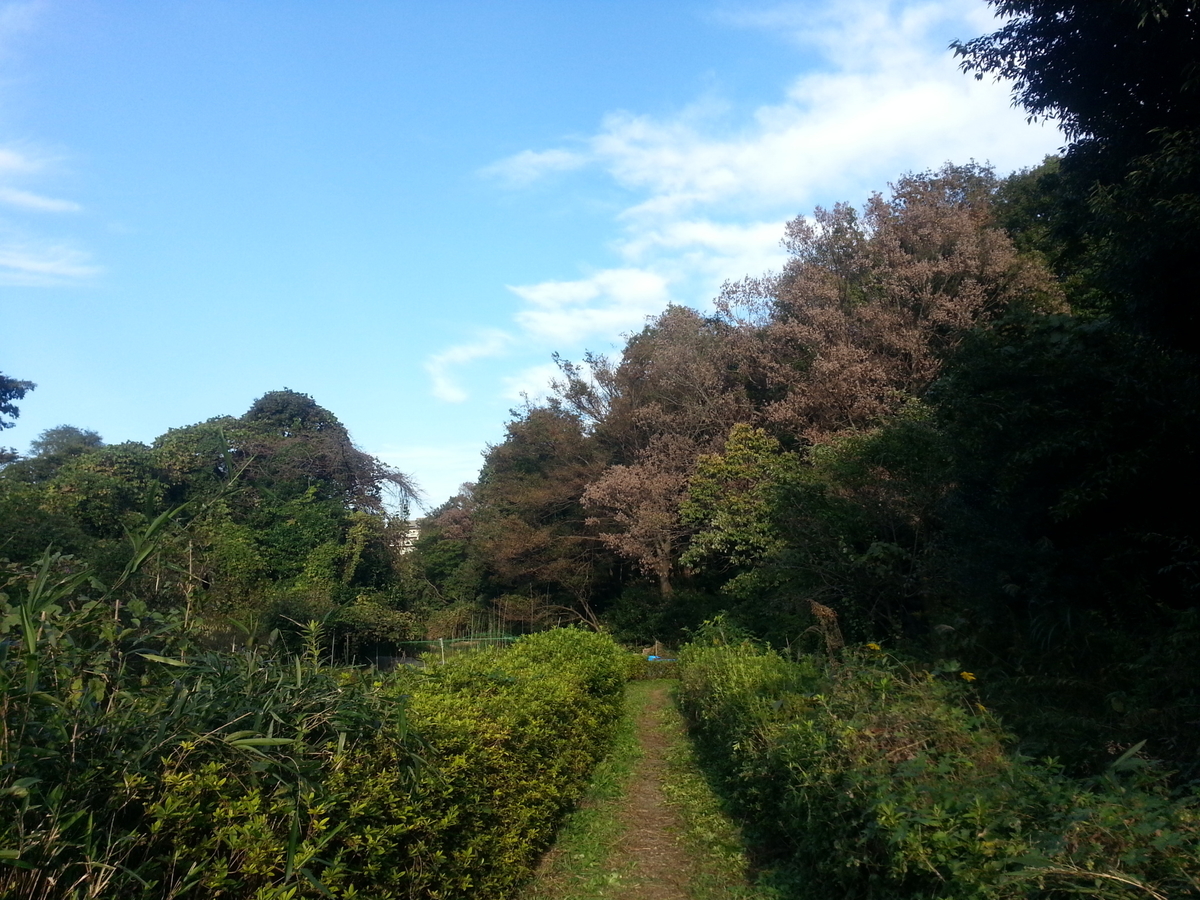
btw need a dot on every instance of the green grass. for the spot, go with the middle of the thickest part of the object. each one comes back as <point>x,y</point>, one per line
<point>721,867</point>
<point>581,865</point>
<point>578,867</point>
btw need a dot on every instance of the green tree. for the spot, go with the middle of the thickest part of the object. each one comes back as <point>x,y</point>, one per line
<point>108,489</point>
<point>729,499</point>
<point>11,390</point>
<point>448,567</point>
<point>51,450</point>
<point>1122,78</point>
<point>1112,70</point>
<point>530,529</point>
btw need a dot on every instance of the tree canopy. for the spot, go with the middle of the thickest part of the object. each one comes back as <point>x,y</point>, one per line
<point>1113,70</point>
<point>11,390</point>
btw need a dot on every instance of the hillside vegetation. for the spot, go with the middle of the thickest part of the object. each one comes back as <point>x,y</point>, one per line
<point>952,437</point>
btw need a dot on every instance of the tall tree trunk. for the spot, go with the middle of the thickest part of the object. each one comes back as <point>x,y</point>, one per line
<point>663,570</point>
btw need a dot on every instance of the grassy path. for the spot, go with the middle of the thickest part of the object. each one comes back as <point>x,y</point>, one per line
<point>649,826</point>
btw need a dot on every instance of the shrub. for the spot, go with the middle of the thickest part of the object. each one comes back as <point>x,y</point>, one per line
<point>512,737</point>
<point>874,779</point>
<point>641,668</point>
<point>132,766</point>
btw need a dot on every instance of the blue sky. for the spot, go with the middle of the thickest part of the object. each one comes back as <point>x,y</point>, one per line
<point>403,209</point>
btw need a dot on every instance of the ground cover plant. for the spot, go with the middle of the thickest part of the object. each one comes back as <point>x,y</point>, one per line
<point>579,865</point>
<point>650,823</point>
<point>868,777</point>
<point>134,764</point>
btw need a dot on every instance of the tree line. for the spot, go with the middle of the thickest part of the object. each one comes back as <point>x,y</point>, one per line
<point>962,417</point>
<point>265,520</point>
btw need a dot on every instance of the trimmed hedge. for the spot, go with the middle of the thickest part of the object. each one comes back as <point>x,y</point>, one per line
<point>869,779</point>
<point>125,773</point>
<point>512,737</point>
<point>639,668</point>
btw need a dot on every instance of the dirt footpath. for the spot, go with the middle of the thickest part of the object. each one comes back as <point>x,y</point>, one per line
<point>650,826</point>
<point>652,842</point>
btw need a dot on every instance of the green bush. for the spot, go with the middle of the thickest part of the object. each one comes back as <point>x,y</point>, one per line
<point>512,737</point>
<point>133,766</point>
<point>875,780</point>
<point>640,668</point>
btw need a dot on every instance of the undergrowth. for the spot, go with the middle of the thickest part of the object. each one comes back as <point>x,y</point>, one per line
<point>873,778</point>
<point>134,765</point>
<point>580,866</point>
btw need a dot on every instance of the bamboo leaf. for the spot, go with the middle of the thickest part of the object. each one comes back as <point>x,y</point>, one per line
<point>19,788</point>
<point>260,742</point>
<point>166,660</point>
<point>312,879</point>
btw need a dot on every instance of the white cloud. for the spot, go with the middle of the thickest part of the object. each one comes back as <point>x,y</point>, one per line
<point>27,200</point>
<point>529,165</point>
<point>606,303</point>
<point>888,96</point>
<point>31,265</point>
<point>26,260</point>
<point>15,161</point>
<point>833,131</point>
<point>721,250</point>
<point>439,366</point>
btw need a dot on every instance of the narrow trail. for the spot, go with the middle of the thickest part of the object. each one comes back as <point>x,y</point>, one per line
<point>653,829</point>
<point>650,826</point>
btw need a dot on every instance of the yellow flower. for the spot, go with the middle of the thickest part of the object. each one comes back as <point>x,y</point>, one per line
<point>981,707</point>
<point>874,647</point>
<point>966,676</point>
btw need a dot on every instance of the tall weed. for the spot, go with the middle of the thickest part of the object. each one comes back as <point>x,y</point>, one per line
<point>871,778</point>
<point>106,714</point>
<point>133,764</point>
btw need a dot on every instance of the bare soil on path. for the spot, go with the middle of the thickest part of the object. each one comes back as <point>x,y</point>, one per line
<point>650,825</point>
<point>652,842</point>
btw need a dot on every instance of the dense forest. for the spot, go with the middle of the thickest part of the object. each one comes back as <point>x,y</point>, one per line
<point>962,420</point>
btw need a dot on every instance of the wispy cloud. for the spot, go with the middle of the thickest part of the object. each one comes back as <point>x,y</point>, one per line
<point>36,202</point>
<point>704,246</point>
<point>28,264</point>
<point>606,303</point>
<point>15,161</point>
<point>27,259</point>
<point>441,366</point>
<point>711,185</point>
<point>528,166</point>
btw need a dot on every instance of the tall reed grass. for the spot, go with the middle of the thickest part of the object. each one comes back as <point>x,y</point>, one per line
<point>106,706</point>
<point>135,764</point>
